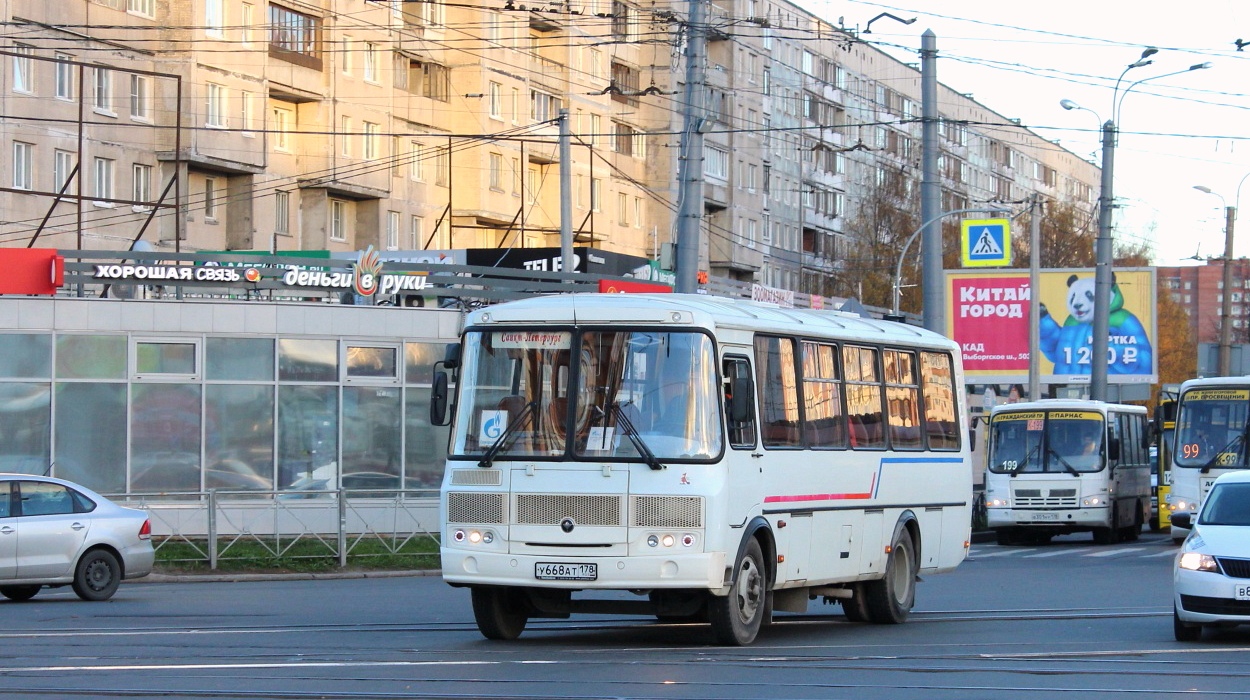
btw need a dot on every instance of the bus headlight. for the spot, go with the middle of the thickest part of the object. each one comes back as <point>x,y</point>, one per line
<point>1194,561</point>
<point>997,503</point>
<point>1092,501</point>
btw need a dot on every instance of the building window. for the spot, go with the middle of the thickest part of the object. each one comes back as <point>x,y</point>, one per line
<point>715,162</point>
<point>62,166</point>
<point>23,69</point>
<point>625,80</point>
<point>64,77</point>
<point>623,17</point>
<point>215,112</point>
<point>543,107</point>
<point>141,189</point>
<point>416,233</point>
<point>140,98</point>
<point>624,139</point>
<point>210,199</point>
<point>596,194</point>
<point>417,170</point>
<point>371,62</point>
<point>245,112</point>
<point>338,220</point>
<point>345,135</point>
<point>281,129</point>
<point>246,17</point>
<point>494,100</point>
<point>516,177</point>
<point>102,95</point>
<point>345,55</point>
<point>23,166</point>
<point>496,172</point>
<point>442,166</point>
<point>294,36</point>
<point>214,17</point>
<point>141,7</point>
<point>281,212</point>
<point>392,230</point>
<point>622,209</point>
<point>103,181</point>
<point>372,139</point>
<point>637,212</point>
<point>436,82</point>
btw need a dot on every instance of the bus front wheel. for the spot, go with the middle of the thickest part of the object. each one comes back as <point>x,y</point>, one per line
<point>499,614</point>
<point>736,618</point>
<point>891,598</point>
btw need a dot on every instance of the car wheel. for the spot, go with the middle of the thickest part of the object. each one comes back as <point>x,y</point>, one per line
<point>1005,536</point>
<point>1185,631</point>
<point>891,597</point>
<point>736,618</point>
<point>19,593</point>
<point>97,576</point>
<point>499,615</point>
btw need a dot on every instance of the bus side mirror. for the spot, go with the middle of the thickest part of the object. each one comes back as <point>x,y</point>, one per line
<point>451,356</point>
<point>1113,449</point>
<point>438,397</point>
<point>740,401</point>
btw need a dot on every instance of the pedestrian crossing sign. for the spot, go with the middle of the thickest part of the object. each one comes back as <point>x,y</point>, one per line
<point>985,242</point>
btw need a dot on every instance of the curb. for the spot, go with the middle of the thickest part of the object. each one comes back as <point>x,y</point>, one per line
<point>310,576</point>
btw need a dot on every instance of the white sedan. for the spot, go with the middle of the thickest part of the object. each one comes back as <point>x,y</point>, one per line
<point>1212,576</point>
<point>56,533</point>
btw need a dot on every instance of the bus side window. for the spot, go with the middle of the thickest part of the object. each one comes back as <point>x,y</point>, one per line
<point>739,399</point>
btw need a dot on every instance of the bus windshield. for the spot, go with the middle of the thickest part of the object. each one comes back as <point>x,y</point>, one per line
<point>631,395</point>
<point>1211,428</point>
<point>1046,442</point>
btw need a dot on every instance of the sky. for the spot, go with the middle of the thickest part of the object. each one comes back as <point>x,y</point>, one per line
<point>1021,58</point>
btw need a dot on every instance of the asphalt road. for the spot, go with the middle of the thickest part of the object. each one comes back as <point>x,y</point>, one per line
<point>1065,620</point>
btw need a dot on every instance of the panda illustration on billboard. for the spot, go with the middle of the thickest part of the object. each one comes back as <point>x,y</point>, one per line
<point>1070,346</point>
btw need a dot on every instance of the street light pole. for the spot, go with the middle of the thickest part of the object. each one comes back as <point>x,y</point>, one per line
<point>1102,269</point>
<point>1226,305</point>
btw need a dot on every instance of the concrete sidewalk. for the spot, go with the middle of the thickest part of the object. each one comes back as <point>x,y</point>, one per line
<point>238,577</point>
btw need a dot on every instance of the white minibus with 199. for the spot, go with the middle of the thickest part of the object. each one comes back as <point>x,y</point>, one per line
<point>1212,419</point>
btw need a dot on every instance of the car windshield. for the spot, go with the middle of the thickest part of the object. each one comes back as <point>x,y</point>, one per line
<point>631,392</point>
<point>1227,504</point>
<point>1211,428</point>
<point>1046,441</point>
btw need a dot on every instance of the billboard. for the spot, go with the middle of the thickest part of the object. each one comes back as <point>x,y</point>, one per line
<point>988,313</point>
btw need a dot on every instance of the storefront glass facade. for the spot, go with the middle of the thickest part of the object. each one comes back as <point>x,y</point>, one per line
<point>179,414</point>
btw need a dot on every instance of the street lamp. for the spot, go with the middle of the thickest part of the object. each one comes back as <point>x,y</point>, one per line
<point>1226,304</point>
<point>1102,245</point>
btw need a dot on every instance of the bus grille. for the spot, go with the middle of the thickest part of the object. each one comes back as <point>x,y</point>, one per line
<point>476,477</point>
<point>667,511</point>
<point>550,509</point>
<point>1234,568</point>
<point>482,508</point>
<point>1054,498</point>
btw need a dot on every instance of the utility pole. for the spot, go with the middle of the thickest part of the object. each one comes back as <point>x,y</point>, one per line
<point>1035,307</point>
<point>566,196</point>
<point>690,169</point>
<point>930,189</point>
<point>1226,304</point>
<point>1102,270</point>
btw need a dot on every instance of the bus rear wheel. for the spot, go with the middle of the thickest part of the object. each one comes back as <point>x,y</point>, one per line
<point>891,597</point>
<point>736,618</point>
<point>499,613</point>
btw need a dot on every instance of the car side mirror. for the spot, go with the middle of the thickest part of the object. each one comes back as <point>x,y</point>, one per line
<point>1183,520</point>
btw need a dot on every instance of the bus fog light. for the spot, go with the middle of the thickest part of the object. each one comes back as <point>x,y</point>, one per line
<point>668,540</point>
<point>653,541</point>
<point>687,540</point>
<point>475,537</point>
<point>488,537</point>
<point>458,535</point>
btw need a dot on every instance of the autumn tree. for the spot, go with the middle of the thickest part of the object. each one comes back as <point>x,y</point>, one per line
<point>878,228</point>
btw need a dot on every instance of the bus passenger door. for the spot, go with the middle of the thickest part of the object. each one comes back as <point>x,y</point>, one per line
<point>743,457</point>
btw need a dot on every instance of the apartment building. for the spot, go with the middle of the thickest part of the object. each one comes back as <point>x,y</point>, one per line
<point>337,124</point>
<point>1199,289</point>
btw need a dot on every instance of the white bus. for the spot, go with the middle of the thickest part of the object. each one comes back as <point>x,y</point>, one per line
<point>1212,418</point>
<point>721,459</point>
<point>1057,466</point>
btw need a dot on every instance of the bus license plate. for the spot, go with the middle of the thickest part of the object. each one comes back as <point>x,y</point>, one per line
<point>1242,591</point>
<point>1045,516</point>
<point>559,571</point>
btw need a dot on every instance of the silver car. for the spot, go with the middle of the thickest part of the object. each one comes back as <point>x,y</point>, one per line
<point>55,533</point>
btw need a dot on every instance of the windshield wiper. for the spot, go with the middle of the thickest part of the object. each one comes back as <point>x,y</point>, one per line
<point>634,437</point>
<point>1024,462</point>
<point>1066,466</point>
<point>1241,438</point>
<point>528,410</point>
